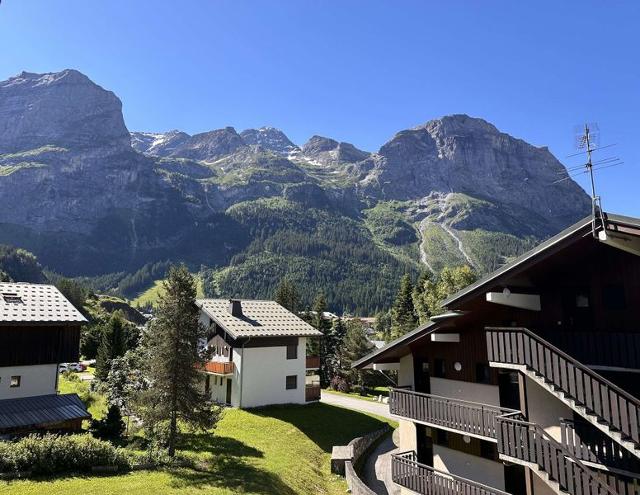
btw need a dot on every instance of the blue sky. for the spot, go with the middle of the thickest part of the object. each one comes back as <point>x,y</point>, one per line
<point>357,71</point>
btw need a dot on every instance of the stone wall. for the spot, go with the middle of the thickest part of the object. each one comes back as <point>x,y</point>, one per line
<point>344,457</point>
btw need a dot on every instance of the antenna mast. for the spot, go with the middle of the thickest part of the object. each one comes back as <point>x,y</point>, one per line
<point>586,141</point>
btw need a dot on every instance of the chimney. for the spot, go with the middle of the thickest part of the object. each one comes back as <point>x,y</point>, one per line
<point>235,308</point>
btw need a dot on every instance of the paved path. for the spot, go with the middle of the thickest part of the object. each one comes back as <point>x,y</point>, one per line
<point>367,406</point>
<point>376,472</point>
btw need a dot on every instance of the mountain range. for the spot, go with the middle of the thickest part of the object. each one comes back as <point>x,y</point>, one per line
<point>246,208</point>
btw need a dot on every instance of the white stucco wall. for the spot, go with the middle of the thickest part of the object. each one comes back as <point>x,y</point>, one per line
<point>476,468</point>
<point>34,380</point>
<point>217,388</point>
<point>405,372</point>
<point>262,373</point>
<point>546,409</point>
<point>407,436</point>
<point>474,392</point>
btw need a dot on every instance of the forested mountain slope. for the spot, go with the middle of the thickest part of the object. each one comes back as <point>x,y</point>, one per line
<point>246,208</point>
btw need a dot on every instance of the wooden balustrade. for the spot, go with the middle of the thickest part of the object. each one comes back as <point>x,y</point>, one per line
<point>608,402</point>
<point>312,392</point>
<point>219,367</point>
<point>408,473</point>
<point>463,416</point>
<point>590,444</point>
<point>528,442</point>
<point>313,362</point>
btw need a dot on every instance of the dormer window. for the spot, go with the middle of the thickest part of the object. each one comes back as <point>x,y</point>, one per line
<point>12,298</point>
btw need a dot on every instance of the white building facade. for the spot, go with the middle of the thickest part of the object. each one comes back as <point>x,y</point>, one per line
<point>259,354</point>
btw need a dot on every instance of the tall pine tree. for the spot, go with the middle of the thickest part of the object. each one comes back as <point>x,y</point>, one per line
<point>321,348</point>
<point>113,344</point>
<point>288,296</point>
<point>355,345</point>
<point>175,394</point>
<point>403,313</point>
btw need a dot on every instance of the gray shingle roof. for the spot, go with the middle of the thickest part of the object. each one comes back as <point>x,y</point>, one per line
<point>37,303</point>
<point>41,410</point>
<point>260,319</point>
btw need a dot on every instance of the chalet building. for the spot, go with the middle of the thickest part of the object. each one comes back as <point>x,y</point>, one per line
<point>528,383</point>
<point>39,329</point>
<point>259,354</point>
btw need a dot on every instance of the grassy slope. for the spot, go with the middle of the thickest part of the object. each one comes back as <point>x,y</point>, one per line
<point>275,450</point>
<point>152,294</point>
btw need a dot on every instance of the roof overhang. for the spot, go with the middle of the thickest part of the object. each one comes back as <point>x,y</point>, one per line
<point>393,351</point>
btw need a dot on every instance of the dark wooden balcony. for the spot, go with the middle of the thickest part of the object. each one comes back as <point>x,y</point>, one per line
<point>313,362</point>
<point>312,393</point>
<point>468,418</point>
<point>528,444</point>
<point>592,446</point>
<point>611,408</point>
<point>423,479</point>
<point>219,367</point>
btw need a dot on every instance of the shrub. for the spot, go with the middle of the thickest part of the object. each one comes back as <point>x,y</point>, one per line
<point>111,427</point>
<point>52,454</point>
<point>339,384</point>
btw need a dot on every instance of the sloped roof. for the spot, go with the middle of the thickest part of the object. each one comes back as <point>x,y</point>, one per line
<point>37,304</point>
<point>551,245</point>
<point>259,319</point>
<point>41,410</point>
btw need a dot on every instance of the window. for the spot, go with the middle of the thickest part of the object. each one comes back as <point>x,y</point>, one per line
<point>15,381</point>
<point>483,373</point>
<point>439,368</point>
<point>292,351</point>
<point>12,298</point>
<point>292,382</point>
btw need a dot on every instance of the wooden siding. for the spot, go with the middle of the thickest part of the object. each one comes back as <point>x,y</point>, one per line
<point>24,345</point>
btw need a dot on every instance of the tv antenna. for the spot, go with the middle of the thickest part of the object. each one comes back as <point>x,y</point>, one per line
<point>587,140</point>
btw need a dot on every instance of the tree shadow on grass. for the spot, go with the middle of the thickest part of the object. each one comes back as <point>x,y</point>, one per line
<point>324,424</point>
<point>216,445</point>
<point>233,473</point>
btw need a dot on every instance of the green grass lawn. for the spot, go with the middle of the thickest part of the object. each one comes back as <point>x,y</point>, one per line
<point>271,451</point>
<point>96,403</point>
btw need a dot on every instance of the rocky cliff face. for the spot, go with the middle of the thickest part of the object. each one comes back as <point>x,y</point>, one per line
<point>88,197</point>
<point>467,155</point>
<point>62,109</point>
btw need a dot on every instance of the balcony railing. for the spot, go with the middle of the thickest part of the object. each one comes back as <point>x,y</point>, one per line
<point>590,444</point>
<point>313,362</point>
<point>423,479</point>
<point>527,443</point>
<point>219,367</point>
<point>612,406</point>
<point>466,417</point>
<point>312,393</point>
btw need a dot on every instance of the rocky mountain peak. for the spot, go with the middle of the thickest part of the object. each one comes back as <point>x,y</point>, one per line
<point>63,109</point>
<point>210,145</point>
<point>158,143</point>
<point>329,151</point>
<point>269,138</point>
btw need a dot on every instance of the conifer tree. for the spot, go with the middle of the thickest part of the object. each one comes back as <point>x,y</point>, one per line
<point>173,346</point>
<point>403,314</point>
<point>112,344</point>
<point>287,295</point>
<point>322,347</point>
<point>430,291</point>
<point>355,345</point>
